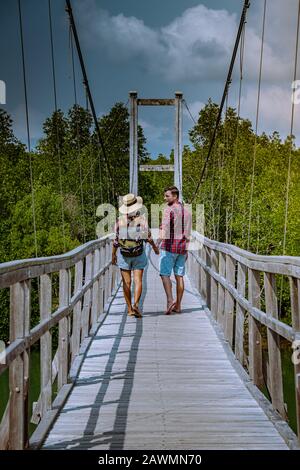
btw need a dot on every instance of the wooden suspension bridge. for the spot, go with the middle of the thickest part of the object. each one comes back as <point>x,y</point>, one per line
<point>164,382</point>
<point>193,380</point>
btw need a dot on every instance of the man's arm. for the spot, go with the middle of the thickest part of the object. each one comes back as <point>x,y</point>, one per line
<point>164,229</point>
<point>188,228</point>
<point>151,241</point>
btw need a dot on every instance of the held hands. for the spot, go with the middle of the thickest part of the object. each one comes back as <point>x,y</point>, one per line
<point>155,249</point>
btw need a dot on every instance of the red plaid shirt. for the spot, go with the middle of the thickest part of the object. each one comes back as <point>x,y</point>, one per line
<point>175,228</point>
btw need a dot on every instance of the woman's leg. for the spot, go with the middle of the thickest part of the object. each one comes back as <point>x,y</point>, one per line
<point>138,286</point>
<point>126,277</point>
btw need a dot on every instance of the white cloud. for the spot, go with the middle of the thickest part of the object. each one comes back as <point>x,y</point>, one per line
<point>274,110</point>
<point>198,44</point>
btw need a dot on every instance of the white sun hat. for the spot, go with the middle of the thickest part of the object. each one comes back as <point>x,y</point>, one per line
<point>131,203</point>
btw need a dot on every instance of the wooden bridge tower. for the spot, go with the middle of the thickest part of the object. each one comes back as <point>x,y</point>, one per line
<point>177,168</point>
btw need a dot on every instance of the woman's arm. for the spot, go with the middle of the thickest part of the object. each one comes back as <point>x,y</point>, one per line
<point>115,244</point>
<point>114,254</point>
<point>152,243</point>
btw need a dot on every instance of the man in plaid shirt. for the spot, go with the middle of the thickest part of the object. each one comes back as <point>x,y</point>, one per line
<point>174,238</point>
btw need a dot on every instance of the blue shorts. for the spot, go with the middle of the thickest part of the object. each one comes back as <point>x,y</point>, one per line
<point>169,261</point>
<point>131,263</point>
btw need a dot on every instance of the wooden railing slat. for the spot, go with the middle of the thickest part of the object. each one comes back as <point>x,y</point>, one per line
<point>295,306</point>
<point>229,300</point>
<point>87,297</point>
<point>275,367</point>
<point>240,315</point>
<point>221,291</point>
<point>46,344</point>
<point>255,338</point>
<point>77,310</point>
<point>17,369</point>
<point>63,349</point>
<point>214,284</point>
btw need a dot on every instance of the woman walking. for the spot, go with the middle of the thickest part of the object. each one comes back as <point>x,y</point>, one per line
<point>132,231</point>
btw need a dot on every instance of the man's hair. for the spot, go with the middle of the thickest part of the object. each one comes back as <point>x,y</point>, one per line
<point>174,190</point>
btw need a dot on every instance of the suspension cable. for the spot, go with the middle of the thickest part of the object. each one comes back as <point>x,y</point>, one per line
<point>189,112</point>
<point>107,139</point>
<point>221,160</point>
<point>56,116</point>
<point>256,120</point>
<point>27,126</point>
<point>227,83</point>
<point>291,134</point>
<point>86,84</point>
<point>290,150</point>
<point>77,136</point>
<point>242,50</point>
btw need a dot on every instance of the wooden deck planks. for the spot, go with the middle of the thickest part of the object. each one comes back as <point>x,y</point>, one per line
<point>161,382</point>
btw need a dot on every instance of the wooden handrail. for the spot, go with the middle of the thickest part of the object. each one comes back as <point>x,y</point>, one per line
<point>95,280</point>
<point>19,270</point>
<point>287,265</point>
<point>231,281</point>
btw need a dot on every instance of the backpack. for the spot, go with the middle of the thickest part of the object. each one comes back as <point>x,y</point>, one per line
<point>131,246</point>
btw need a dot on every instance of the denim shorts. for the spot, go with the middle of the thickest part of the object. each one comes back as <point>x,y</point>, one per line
<point>169,261</point>
<point>131,263</point>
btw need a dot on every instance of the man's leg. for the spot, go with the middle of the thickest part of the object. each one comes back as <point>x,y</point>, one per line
<point>126,277</point>
<point>165,269</point>
<point>179,271</point>
<point>168,290</point>
<point>179,292</point>
<point>138,287</point>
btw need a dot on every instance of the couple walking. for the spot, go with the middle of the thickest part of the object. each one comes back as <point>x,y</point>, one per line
<point>131,233</point>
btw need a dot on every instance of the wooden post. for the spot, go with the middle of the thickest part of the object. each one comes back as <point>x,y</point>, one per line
<point>87,297</point>
<point>240,314</point>
<point>202,275</point>
<point>208,279</point>
<point>77,311</point>
<point>275,367</point>
<point>198,270</point>
<point>229,300</point>
<point>16,371</point>
<point>101,281</point>
<point>255,339</point>
<point>106,275</point>
<point>295,305</point>
<point>63,340</point>
<point>95,291</point>
<point>133,144</point>
<point>46,344</point>
<point>110,270</point>
<point>214,285</point>
<point>27,308</point>
<point>221,290</point>
<point>178,143</point>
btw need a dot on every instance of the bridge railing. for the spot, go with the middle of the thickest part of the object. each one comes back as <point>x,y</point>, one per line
<point>72,290</point>
<point>241,291</point>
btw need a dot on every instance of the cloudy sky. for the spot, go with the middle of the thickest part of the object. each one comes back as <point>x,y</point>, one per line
<point>155,47</point>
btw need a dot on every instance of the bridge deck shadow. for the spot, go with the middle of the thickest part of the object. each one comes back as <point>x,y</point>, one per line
<point>160,382</point>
